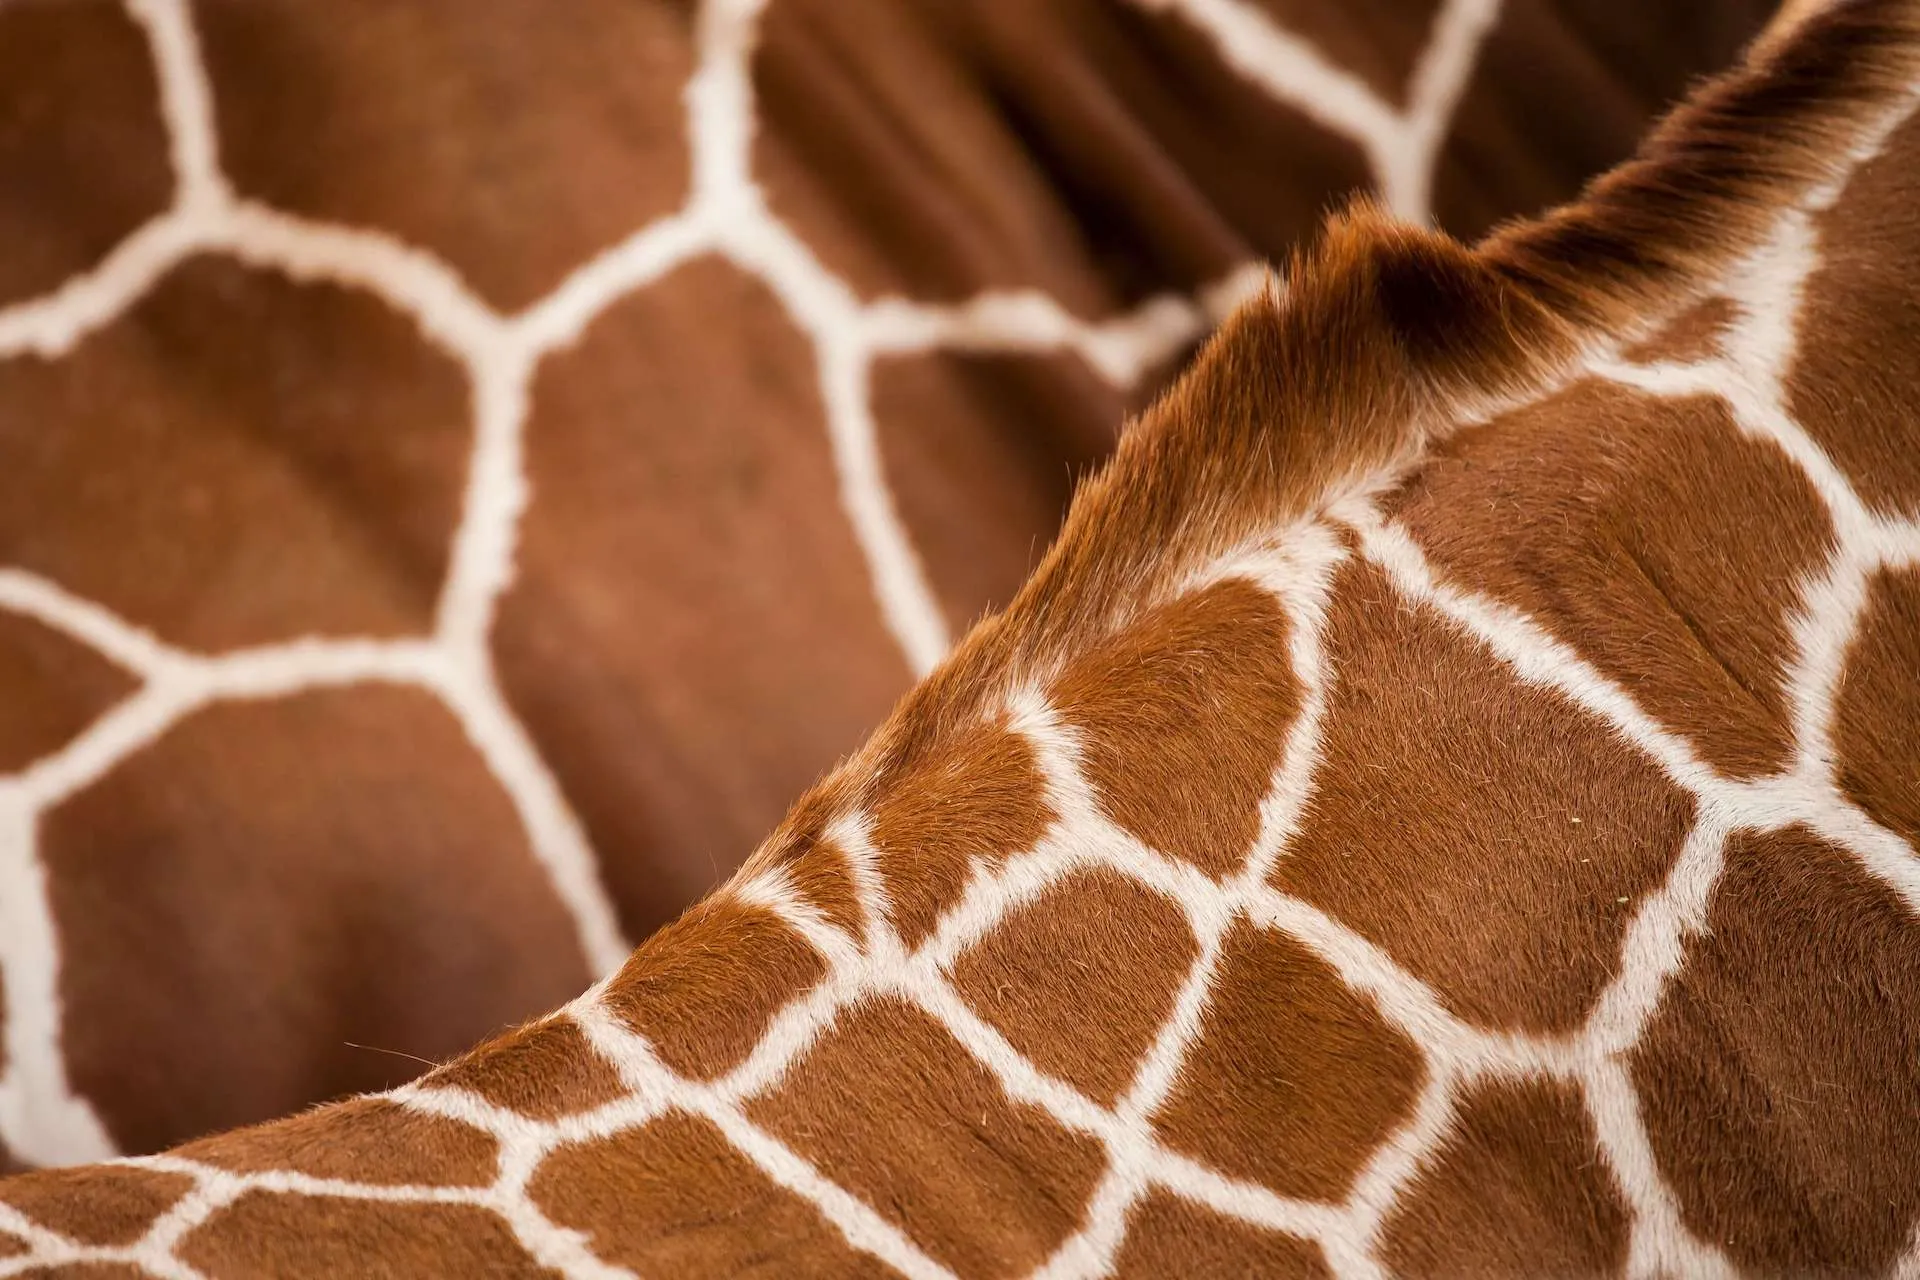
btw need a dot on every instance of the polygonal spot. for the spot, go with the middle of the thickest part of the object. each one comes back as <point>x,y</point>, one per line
<point>1294,1079</point>
<point>704,988</point>
<point>1488,834</point>
<point>51,688</point>
<point>1563,89</point>
<point>811,863</point>
<point>299,1236</point>
<point>101,1205</point>
<point>821,873</point>
<point>1853,374</point>
<point>1147,144</point>
<point>514,147</point>
<point>1095,152</point>
<point>1697,333</point>
<point>1380,41</point>
<point>10,1244</point>
<point>878,147</point>
<point>1168,1236</point>
<point>280,902</point>
<point>83,155</point>
<point>677,1199</point>
<point>982,453</point>
<point>1878,705</point>
<point>692,637</point>
<point>367,1140</point>
<point>86,1271</point>
<point>1652,537</point>
<point>972,797</point>
<point>239,459</point>
<point>1080,979</point>
<point>1183,717</point>
<point>545,1070</point>
<point>891,1107</point>
<point>1780,1079</point>
<point>1517,1188</point>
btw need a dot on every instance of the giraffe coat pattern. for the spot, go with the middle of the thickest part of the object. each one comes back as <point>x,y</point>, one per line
<point>434,554</point>
<point>1643,998</point>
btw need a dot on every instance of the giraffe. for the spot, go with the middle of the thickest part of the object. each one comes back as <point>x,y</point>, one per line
<point>1444,804</point>
<point>405,600</point>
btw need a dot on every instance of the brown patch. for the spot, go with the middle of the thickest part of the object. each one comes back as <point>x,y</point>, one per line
<point>10,1244</point>
<point>512,146</point>
<point>545,1070</point>
<point>1168,1236</point>
<point>102,1205</point>
<point>816,867</point>
<point>877,145</point>
<point>677,1199</point>
<point>1091,151</point>
<point>974,796</point>
<point>1566,88</point>
<point>1852,380</point>
<point>868,122</point>
<point>1080,979</point>
<point>1488,834</point>
<point>1183,718</point>
<point>1294,1079</point>
<point>1652,538</point>
<point>982,452</point>
<point>284,901</point>
<point>692,636</point>
<point>1380,41</point>
<point>52,688</point>
<point>295,1237</point>
<point>197,466</point>
<point>704,988</point>
<point>1518,1188</point>
<point>367,1140</point>
<point>86,1271</point>
<point>1145,138</point>
<point>1780,1079</point>
<point>1698,333</point>
<point>824,877</point>
<point>1879,705</point>
<point>83,155</point>
<point>889,1106</point>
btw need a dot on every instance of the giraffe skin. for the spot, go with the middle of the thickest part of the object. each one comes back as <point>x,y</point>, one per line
<point>1444,805</point>
<point>433,554</point>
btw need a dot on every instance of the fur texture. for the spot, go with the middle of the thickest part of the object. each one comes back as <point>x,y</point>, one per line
<point>1318,867</point>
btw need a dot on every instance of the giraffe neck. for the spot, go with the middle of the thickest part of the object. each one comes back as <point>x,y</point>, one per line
<point>1252,879</point>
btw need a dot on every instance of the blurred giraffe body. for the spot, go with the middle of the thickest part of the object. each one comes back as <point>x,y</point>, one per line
<point>1446,804</point>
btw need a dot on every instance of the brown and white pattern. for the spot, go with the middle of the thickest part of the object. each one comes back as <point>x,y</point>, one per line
<point>430,652</point>
<point>1648,1003</point>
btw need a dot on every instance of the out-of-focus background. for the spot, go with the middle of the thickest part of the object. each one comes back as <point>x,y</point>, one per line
<point>466,465</point>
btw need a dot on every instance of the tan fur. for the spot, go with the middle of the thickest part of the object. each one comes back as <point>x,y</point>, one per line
<point>1780,1076</point>
<point>1515,1191</point>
